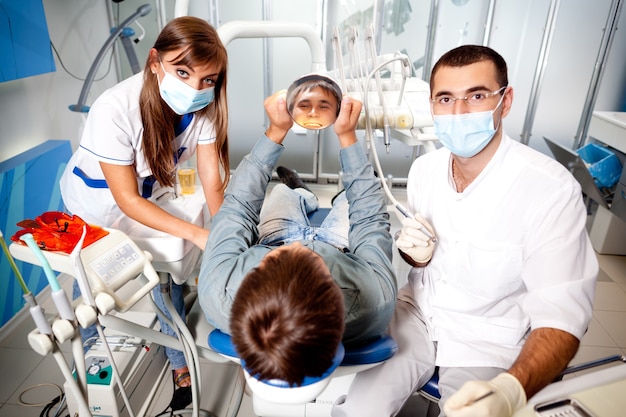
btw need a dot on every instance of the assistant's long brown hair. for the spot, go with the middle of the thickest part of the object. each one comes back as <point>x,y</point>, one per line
<point>200,45</point>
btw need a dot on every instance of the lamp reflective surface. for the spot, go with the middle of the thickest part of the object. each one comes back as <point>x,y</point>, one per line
<point>314,101</point>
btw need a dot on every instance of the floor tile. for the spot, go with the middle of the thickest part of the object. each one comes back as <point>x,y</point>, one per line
<point>609,297</point>
<point>10,410</point>
<point>597,336</point>
<point>37,386</point>
<point>614,266</point>
<point>615,325</point>
<point>18,363</point>
<point>592,354</point>
<point>603,277</point>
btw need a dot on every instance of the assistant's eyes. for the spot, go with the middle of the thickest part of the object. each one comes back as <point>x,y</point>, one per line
<point>182,73</point>
<point>210,81</point>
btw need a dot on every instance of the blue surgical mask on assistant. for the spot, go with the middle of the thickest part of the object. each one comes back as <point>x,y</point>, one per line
<point>466,134</point>
<point>183,98</point>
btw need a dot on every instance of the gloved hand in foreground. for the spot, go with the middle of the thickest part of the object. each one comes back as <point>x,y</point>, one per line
<point>507,398</point>
<point>413,241</point>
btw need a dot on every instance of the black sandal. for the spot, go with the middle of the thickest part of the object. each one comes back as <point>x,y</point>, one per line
<point>181,397</point>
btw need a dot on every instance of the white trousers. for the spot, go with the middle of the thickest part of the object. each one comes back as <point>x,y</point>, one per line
<point>382,391</point>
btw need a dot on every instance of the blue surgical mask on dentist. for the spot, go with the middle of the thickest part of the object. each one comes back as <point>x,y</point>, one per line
<point>466,134</point>
<point>183,98</point>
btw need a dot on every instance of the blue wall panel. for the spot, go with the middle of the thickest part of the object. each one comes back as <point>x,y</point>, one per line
<point>29,186</point>
<point>24,40</point>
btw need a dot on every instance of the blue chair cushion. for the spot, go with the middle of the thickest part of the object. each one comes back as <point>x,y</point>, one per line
<point>432,386</point>
<point>222,343</point>
<point>377,350</point>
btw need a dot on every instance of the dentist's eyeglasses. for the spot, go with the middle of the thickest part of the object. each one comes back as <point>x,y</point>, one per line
<point>476,99</point>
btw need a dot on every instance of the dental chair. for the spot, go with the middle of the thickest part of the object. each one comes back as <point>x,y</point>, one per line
<point>315,396</point>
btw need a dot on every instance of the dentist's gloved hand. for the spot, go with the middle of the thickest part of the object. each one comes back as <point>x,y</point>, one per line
<point>508,397</point>
<point>413,241</point>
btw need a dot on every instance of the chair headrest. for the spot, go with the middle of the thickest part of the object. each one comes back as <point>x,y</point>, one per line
<point>222,344</point>
<point>375,351</point>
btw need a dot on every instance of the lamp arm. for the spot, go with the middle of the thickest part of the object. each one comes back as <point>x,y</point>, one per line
<point>80,106</point>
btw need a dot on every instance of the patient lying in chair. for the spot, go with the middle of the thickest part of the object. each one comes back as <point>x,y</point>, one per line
<point>288,292</point>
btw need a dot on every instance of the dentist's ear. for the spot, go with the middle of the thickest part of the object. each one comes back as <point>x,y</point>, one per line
<point>507,101</point>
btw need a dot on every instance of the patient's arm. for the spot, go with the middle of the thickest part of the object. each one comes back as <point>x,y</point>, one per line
<point>544,355</point>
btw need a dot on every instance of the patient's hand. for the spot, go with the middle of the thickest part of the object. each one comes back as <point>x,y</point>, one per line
<point>280,119</point>
<point>346,122</point>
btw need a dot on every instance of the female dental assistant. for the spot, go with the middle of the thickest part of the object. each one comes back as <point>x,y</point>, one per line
<point>139,131</point>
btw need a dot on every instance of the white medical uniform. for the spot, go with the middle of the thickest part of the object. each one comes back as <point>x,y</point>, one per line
<point>513,255</point>
<point>113,134</point>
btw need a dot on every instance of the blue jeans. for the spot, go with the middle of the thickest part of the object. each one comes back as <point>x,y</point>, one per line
<point>283,218</point>
<point>175,356</point>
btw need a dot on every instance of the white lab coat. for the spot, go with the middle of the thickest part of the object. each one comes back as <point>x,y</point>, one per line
<point>113,134</point>
<point>513,255</point>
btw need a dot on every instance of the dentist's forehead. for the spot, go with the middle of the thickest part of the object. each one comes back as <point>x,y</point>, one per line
<point>465,79</point>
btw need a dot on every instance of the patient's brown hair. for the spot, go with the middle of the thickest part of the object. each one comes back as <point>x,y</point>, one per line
<point>287,318</point>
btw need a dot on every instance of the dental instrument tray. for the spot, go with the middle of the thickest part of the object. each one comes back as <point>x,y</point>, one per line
<point>110,263</point>
<point>562,408</point>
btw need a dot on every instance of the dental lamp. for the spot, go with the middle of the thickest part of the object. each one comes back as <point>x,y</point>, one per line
<point>80,106</point>
<point>268,29</point>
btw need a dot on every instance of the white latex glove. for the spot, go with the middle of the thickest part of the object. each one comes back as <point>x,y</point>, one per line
<point>413,241</point>
<point>508,397</point>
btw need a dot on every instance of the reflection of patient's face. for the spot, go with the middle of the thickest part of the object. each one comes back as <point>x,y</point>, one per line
<point>315,109</point>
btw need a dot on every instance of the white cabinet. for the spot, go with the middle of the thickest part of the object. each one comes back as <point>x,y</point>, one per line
<point>608,232</point>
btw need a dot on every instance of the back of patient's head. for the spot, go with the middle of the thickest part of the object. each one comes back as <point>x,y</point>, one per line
<point>287,318</point>
<point>464,55</point>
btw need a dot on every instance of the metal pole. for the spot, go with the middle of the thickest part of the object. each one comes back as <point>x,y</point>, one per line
<point>539,71</point>
<point>596,77</point>
<point>115,52</point>
<point>161,15</point>
<point>430,40</point>
<point>267,56</point>
<point>214,15</point>
<point>378,15</point>
<point>489,22</point>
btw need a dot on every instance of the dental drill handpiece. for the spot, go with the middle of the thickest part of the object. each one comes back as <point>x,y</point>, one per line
<point>393,200</point>
<point>61,302</point>
<point>423,229</point>
<point>79,270</point>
